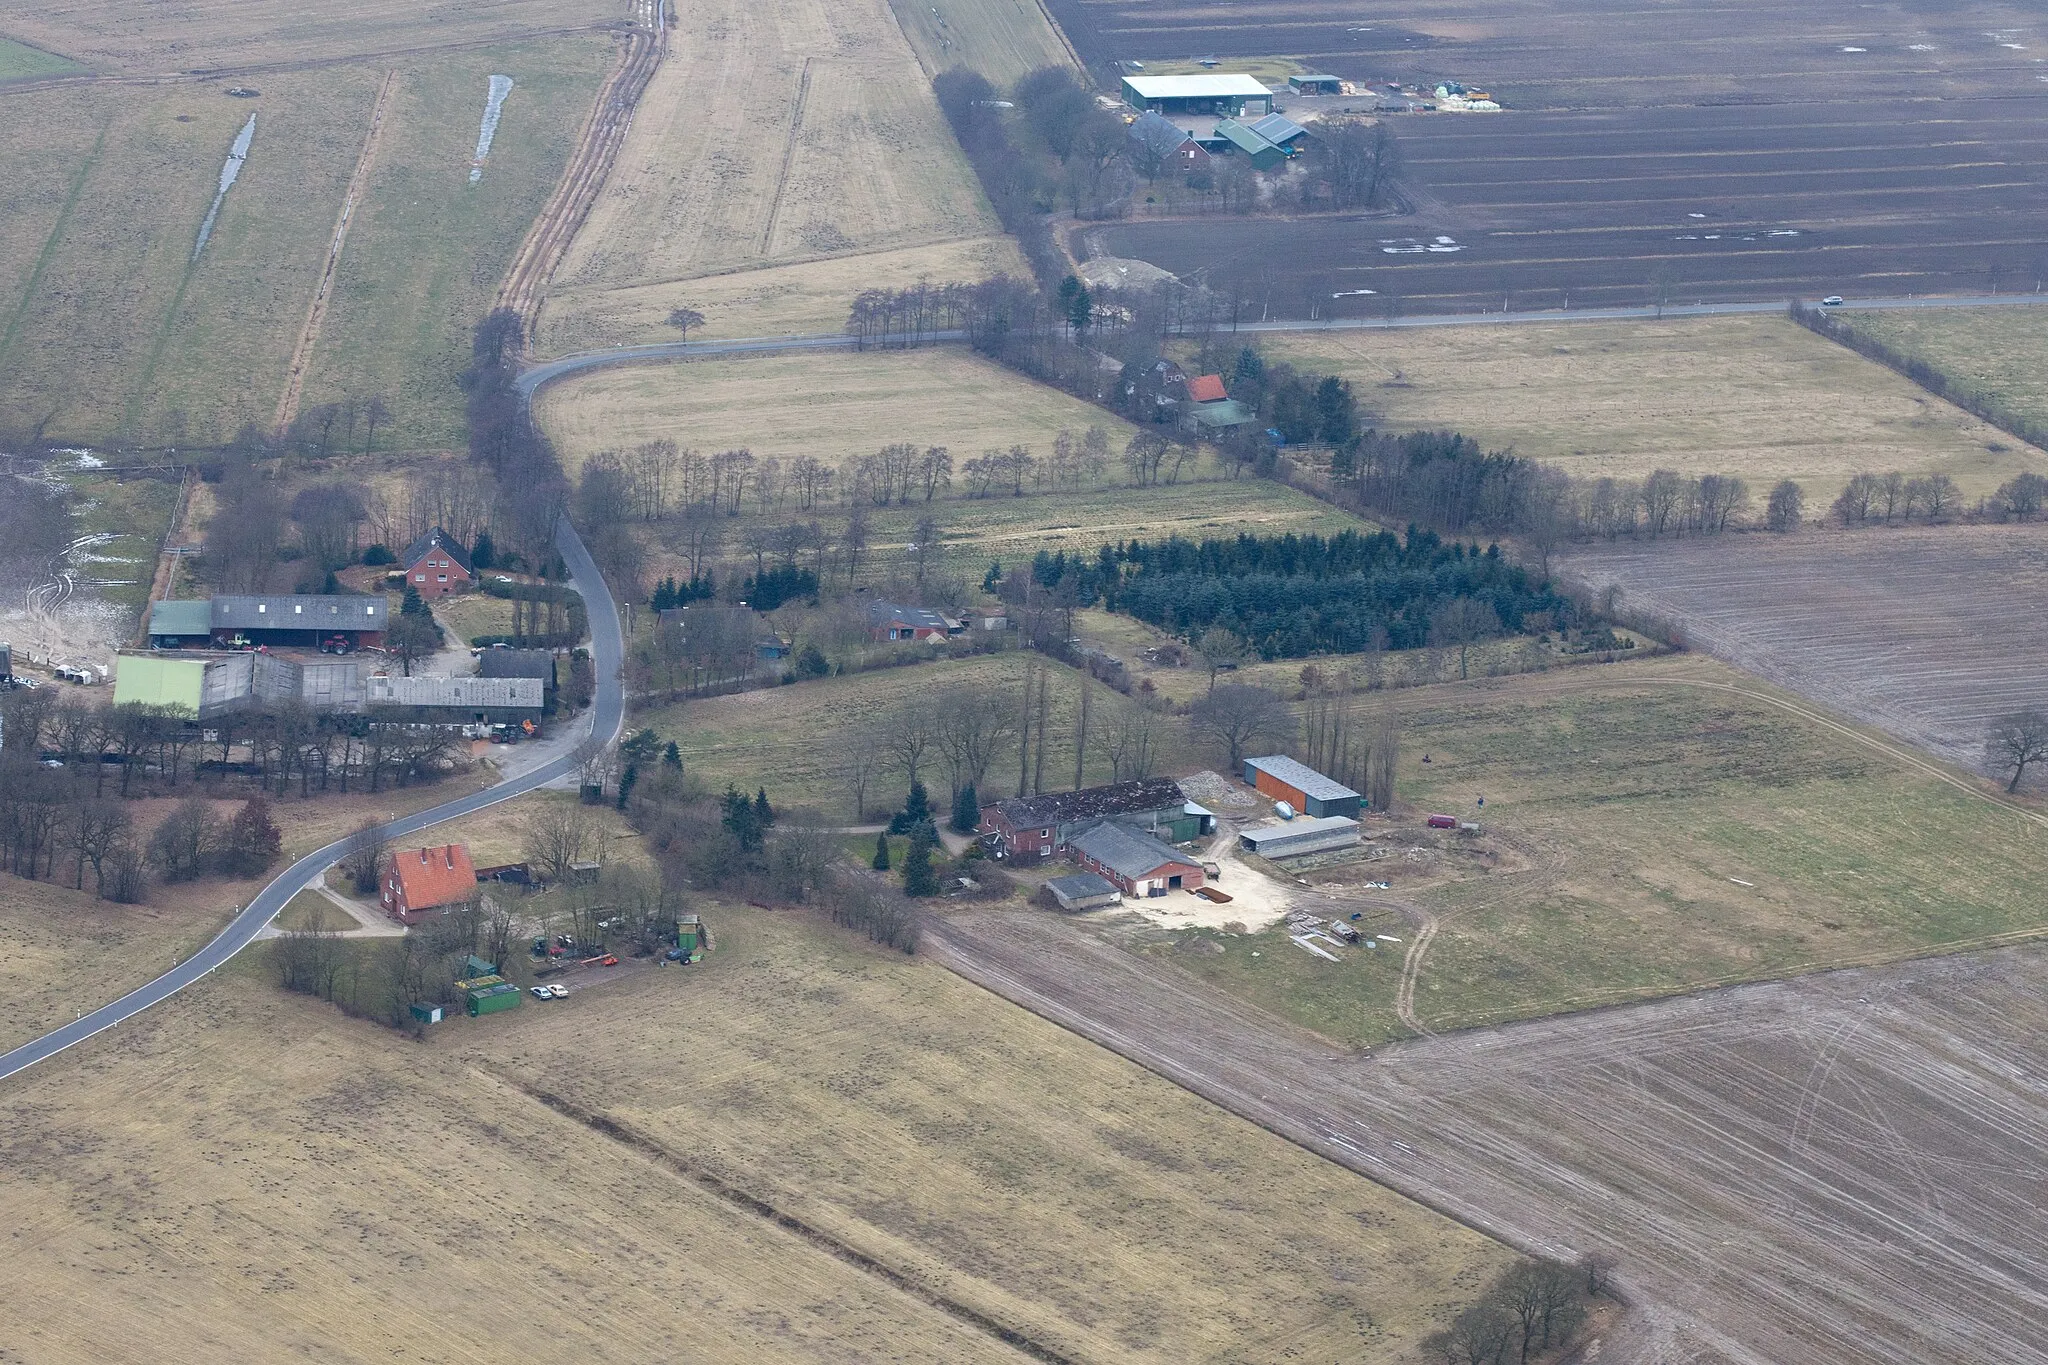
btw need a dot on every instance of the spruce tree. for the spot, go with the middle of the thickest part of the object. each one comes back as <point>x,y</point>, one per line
<point>919,878</point>
<point>764,814</point>
<point>881,859</point>
<point>966,810</point>
<point>673,757</point>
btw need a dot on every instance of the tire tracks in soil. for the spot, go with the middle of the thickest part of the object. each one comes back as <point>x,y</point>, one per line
<point>796,128</point>
<point>316,312</point>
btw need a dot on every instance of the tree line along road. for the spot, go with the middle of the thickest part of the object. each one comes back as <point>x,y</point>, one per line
<point>606,714</point>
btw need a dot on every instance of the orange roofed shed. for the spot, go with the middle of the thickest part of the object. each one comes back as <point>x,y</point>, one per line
<point>1207,388</point>
<point>424,881</point>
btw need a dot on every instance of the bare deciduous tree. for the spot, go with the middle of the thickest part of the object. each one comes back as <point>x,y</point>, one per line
<point>1237,718</point>
<point>558,833</point>
<point>2017,741</point>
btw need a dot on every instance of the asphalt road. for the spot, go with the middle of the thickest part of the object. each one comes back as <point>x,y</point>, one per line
<point>607,710</point>
<point>532,380</point>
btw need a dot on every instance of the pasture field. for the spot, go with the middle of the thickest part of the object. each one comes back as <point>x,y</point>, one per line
<point>795,741</point>
<point>1757,396</point>
<point>1002,39</point>
<point>20,62</point>
<point>798,299</point>
<point>975,532</point>
<point>913,1170</point>
<point>472,614</point>
<point>1638,157</point>
<point>112,332</point>
<point>844,157</point>
<point>497,834</point>
<point>1910,630</point>
<point>832,406</point>
<point>426,248</point>
<point>1654,828</point>
<point>2001,353</point>
<point>227,35</point>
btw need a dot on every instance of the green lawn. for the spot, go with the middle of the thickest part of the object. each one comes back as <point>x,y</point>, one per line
<point>20,62</point>
<point>1668,838</point>
<point>1998,353</point>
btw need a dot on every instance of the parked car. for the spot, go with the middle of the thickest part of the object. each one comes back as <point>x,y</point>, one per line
<point>543,993</point>
<point>1832,301</point>
<point>557,991</point>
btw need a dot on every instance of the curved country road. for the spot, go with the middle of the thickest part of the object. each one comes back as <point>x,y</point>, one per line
<point>608,650</point>
<point>532,379</point>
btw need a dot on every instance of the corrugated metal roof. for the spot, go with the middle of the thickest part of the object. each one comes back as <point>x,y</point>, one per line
<point>922,618</point>
<point>177,617</point>
<point>517,663</point>
<point>1241,136</point>
<point>298,612</point>
<point>456,692</point>
<point>1304,829</point>
<point>1208,85</point>
<point>1080,886</point>
<point>1301,777</point>
<point>1277,129</point>
<point>1128,852</point>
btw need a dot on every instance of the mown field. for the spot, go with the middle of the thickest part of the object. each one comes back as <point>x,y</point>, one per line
<point>1750,395</point>
<point>1670,834</point>
<point>912,1169</point>
<point>19,62</point>
<point>112,331</point>
<point>831,406</point>
<point>798,299</point>
<point>1002,39</point>
<point>1999,352</point>
<point>226,34</point>
<point>844,155</point>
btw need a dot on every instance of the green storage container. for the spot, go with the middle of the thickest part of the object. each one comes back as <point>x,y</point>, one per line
<point>492,999</point>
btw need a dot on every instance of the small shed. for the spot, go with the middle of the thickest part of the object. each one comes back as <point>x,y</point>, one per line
<point>1082,891</point>
<point>1308,791</point>
<point>1136,864</point>
<point>1263,155</point>
<point>491,999</point>
<point>174,624</point>
<point>1296,838</point>
<point>1315,83</point>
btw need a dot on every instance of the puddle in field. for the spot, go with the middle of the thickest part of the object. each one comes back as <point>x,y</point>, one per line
<point>237,154</point>
<point>494,102</point>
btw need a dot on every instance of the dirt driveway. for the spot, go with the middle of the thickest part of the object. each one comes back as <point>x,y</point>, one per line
<point>1842,1168</point>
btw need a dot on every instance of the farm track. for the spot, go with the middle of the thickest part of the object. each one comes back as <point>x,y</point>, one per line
<point>597,148</point>
<point>316,312</point>
<point>1849,1157</point>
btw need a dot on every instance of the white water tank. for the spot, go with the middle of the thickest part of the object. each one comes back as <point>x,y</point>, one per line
<point>1283,810</point>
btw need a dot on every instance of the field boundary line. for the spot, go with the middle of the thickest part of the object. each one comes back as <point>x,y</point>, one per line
<point>796,125</point>
<point>316,312</point>
<point>659,1155</point>
<point>35,275</point>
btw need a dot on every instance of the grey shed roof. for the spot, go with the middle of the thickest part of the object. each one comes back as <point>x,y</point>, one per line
<point>1207,85</point>
<point>181,618</point>
<point>456,692</point>
<point>298,612</point>
<point>1156,130</point>
<point>1298,829</point>
<point>881,613</point>
<point>1082,886</point>
<point>517,663</point>
<point>1137,796</point>
<point>1130,853</point>
<point>1277,129</point>
<point>1301,777</point>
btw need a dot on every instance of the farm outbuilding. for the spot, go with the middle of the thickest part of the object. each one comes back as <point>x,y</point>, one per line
<point>1042,825</point>
<point>1135,864</point>
<point>1263,154</point>
<point>1315,83</point>
<point>198,686</point>
<point>177,624</point>
<point>322,621</point>
<point>1082,891</point>
<point>1300,786</point>
<point>463,700</point>
<point>1212,92</point>
<point>1297,837</point>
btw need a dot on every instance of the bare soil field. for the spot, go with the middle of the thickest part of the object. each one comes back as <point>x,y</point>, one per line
<point>1836,1169</point>
<point>1756,396</point>
<point>2001,353</point>
<point>1909,630</point>
<point>110,330</point>
<point>843,153</point>
<point>230,35</point>
<point>830,406</point>
<point>920,1173</point>
<point>1755,152</point>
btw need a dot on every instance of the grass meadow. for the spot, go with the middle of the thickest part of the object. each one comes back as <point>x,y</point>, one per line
<point>1756,396</point>
<point>1670,837</point>
<point>1999,352</point>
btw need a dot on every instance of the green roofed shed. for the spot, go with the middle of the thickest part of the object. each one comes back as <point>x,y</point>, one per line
<point>1264,155</point>
<point>173,621</point>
